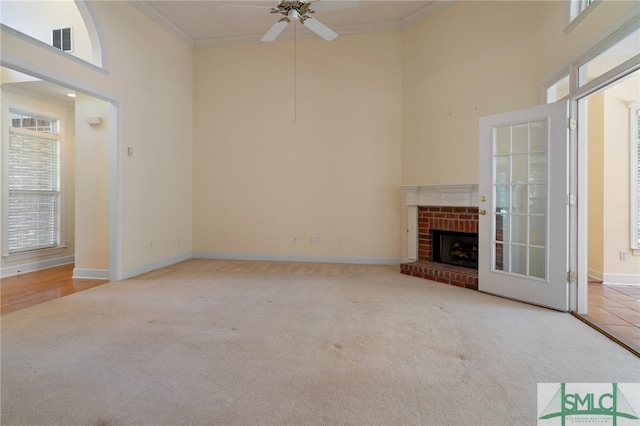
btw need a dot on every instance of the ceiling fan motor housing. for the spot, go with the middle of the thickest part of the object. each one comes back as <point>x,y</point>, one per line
<point>293,9</point>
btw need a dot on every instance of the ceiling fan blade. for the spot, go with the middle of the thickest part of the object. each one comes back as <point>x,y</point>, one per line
<point>319,28</point>
<point>275,30</point>
<point>324,5</point>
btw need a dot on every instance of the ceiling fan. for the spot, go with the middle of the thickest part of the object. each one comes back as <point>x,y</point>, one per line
<point>299,10</point>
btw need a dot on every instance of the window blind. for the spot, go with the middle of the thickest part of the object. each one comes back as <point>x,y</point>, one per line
<point>34,191</point>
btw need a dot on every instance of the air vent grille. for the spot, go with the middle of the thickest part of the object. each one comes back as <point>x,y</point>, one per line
<point>61,39</point>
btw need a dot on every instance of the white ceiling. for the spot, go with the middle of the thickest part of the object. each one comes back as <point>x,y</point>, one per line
<point>209,23</point>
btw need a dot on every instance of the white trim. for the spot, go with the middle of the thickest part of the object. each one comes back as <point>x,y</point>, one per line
<point>592,273</point>
<point>621,279</point>
<point>634,147</point>
<point>162,20</point>
<point>622,27</point>
<point>572,23</point>
<point>34,41</point>
<point>96,37</point>
<point>115,191</point>
<point>360,260</point>
<point>91,274</point>
<point>115,148</point>
<point>579,181</point>
<point>31,254</point>
<point>432,8</point>
<point>156,265</point>
<point>8,271</point>
<point>462,195</point>
<point>153,13</point>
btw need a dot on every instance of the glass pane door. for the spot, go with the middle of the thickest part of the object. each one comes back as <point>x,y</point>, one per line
<point>520,182</point>
<point>523,213</point>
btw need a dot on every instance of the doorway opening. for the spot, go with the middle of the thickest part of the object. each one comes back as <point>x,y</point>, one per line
<point>611,142</point>
<point>91,168</point>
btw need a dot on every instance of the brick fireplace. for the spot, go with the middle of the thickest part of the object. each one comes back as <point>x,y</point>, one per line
<point>444,209</point>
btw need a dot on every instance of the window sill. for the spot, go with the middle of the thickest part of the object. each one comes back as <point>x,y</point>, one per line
<point>33,254</point>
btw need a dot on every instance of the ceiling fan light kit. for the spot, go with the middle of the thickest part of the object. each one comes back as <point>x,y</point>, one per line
<point>297,10</point>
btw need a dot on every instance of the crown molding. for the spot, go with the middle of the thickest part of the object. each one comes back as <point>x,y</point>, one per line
<point>162,20</point>
<point>154,14</point>
<point>430,9</point>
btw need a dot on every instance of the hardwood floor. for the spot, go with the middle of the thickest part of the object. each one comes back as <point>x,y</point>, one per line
<point>21,291</point>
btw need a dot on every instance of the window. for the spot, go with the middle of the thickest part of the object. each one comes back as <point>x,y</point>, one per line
<point>578,6</point>
<point>558,90</point>
<point>33,208</point>
<point>635,175</point>
<point>577,10</point>
<point>619,52</point>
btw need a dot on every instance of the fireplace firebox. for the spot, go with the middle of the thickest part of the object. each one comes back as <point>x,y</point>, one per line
<point>455,248</point>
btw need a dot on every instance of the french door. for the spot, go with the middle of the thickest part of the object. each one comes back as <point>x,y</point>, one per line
<point>523,204</point>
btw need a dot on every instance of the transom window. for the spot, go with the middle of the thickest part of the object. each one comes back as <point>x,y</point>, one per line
<point>577,10</point>
<point>33,208</point>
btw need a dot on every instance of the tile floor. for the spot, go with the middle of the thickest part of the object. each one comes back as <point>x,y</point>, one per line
<point>616,309</point>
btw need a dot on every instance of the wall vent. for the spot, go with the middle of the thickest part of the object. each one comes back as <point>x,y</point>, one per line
<point>61,39</point>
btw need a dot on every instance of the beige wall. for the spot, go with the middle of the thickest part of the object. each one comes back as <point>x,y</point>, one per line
<point>28,103</point>
<point>215,143</point>
<point>263,175</point>
<point>617,179</point>
<point>92,185</point>
<point>469,60</point>
<point>153,87</point>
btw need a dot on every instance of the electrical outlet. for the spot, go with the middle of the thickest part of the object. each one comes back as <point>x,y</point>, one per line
<point>341,239</point>
<point>151,245</point>
<point>294,239</point>
<point>624,255</point>
<point>314,239</point>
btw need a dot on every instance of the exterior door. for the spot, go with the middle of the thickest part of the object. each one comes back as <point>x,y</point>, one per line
<point>523,229</point>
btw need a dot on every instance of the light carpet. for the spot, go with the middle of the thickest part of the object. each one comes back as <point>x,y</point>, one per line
<point>263,343</point>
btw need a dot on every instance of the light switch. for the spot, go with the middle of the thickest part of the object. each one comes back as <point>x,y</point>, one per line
<point>130,151</point>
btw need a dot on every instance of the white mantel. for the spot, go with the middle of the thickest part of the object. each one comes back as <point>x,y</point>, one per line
<point>461,195</point>
<point>458,195</point>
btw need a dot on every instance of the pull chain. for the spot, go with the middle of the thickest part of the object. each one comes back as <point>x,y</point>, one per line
<point>295,73</point>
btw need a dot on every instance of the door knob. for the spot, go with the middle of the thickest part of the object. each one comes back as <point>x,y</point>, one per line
<point>482,211</point>
<point>483,198</point>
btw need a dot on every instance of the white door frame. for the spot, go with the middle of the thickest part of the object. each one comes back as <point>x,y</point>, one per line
<point>115,148</point>
<point>578,157</point>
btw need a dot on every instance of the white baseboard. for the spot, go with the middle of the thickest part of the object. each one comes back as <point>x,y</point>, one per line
<point>363,260</point>
<point>597,275</point>
<point>8,271</point>
<point>621,279</point>
<point>91,274</point>
<point>157,265</point>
